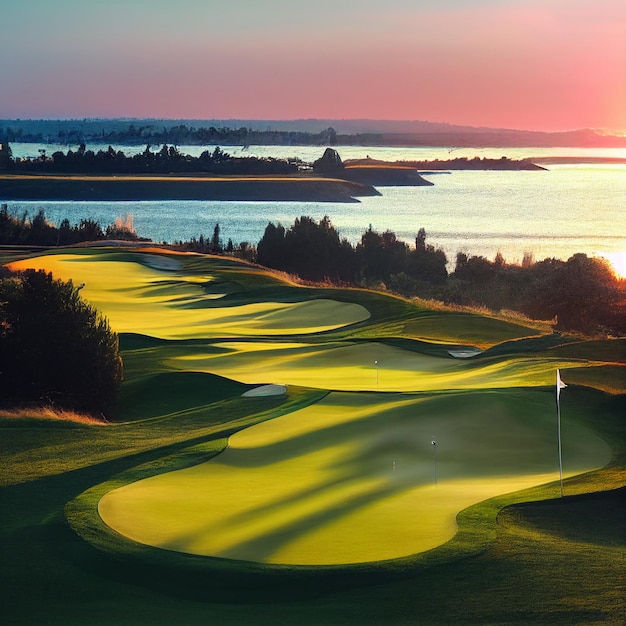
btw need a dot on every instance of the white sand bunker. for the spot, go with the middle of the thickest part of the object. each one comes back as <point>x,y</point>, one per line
<point>265,390</point>
<point>158,262</point>
<point>464,353</point>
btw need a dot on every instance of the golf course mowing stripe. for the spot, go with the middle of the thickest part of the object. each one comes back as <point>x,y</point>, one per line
<point>353,478</point>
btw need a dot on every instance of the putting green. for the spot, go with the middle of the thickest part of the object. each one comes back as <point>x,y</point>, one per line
<point>142,293</point>
<point>352,479</point>
<point>344,366</point>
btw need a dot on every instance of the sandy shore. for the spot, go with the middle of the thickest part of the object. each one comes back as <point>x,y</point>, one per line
<point>239,188</point>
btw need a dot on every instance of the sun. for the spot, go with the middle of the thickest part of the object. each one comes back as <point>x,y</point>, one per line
<point>617,260</point>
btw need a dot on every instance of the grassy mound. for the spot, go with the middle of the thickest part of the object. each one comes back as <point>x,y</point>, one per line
<point>169,392</point>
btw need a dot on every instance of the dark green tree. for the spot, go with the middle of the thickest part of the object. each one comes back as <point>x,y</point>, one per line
<point>312,249</point>
<point>271,250</point>
<point>370,254</point>
<point>427,263</point>
<point>580,294</point>
<point>216,242</point>
<point>54,348</point>
<point>381,256</point>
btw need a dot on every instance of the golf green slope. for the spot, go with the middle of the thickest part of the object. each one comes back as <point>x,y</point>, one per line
<point>345,366</point>
<point>352,478</point>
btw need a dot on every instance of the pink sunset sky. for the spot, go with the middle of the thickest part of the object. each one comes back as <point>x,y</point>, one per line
<point>525,64</point>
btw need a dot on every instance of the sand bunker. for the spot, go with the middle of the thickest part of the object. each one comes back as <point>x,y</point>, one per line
<point>265,390</point>
<point>464,353</point>
<point>159,262</point>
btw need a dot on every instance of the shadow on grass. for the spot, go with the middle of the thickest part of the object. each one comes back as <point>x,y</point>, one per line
<point>213,579</point>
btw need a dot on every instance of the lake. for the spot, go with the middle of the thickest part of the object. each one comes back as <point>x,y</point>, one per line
<point>569,208</point>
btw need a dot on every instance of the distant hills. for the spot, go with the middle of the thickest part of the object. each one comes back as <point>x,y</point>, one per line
<point>364,132</point>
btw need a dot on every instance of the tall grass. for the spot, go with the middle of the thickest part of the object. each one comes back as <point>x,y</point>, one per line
<point>51,413</point>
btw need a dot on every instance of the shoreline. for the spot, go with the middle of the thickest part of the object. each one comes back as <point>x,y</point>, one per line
<point>180,187</point>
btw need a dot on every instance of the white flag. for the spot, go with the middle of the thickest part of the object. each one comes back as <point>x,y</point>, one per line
<point>559,384</point>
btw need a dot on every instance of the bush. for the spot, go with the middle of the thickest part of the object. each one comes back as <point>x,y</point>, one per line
<point>54,348</point>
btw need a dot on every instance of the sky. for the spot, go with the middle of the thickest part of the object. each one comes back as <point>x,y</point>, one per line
<point>524,64</point>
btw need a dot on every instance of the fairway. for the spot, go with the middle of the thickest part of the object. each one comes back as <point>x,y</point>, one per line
<point>361,366</point>
<point>141,293</point>
<point>352,478</point>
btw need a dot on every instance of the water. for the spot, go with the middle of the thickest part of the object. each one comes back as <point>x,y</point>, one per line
<point>310,153</point>
<point>556,213</point>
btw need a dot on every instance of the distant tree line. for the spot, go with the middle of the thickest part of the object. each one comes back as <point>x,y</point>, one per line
<point>475,163</point>
<point>38,231</point>
<point>180,134</point>
<point>55,349</point>
<point>168,159</point>
<point>215,245</point>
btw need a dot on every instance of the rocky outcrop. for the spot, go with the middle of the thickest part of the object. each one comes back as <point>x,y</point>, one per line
<point>329,164</point>
<point>376,174</point>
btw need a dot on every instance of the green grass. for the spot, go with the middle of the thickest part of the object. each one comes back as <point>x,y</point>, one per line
<point>527,557</point>
<point>160,393</point>
<point>350,479</point>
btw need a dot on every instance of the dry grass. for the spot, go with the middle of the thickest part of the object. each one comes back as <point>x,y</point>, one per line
<point>504,314</point>
<point>51,413</point>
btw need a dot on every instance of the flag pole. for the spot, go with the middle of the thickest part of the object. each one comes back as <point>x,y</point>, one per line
<point>559,385</point>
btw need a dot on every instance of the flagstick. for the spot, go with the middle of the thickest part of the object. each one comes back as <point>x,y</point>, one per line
<point>558,429</point>
<point>559,385</point>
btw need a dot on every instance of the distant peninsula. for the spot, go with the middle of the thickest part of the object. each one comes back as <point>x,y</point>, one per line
<point>169,174</point>
<point>176,187</point>
<point>459,163</point>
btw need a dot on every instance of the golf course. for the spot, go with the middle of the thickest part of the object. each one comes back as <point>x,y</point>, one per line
<point>291,454</point>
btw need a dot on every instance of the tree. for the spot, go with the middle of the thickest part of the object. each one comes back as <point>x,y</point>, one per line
<point>54,348</point>
<point>271,247</point>
<point>312,249</point>
<point>370,254</point>
<point>474,269</point>
<point>216,242</point>
<point>41,231</point>
<point>381,256</point>
<point>420,240</point>
<point>581,293</point>
<point>427,263</point>
<point>90,230</point>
